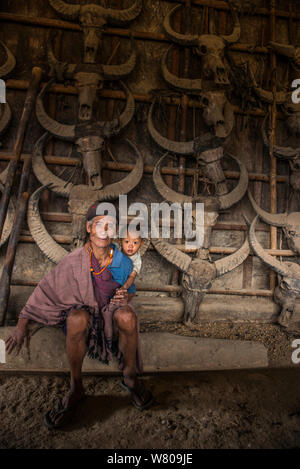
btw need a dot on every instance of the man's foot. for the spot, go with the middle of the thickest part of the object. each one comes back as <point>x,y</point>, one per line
<point>141,398</point>
<point>65,410</point>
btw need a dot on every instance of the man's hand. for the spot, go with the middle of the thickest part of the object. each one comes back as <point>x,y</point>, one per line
<point>18,337</point>
<point>120,298</point>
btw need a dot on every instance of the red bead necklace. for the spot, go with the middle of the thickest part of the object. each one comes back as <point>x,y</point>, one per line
<point>106,265</point>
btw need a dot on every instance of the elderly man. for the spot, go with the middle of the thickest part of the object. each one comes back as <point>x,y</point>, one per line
<point>83,294</point>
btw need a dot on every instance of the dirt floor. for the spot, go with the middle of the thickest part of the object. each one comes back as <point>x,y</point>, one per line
<point>241,409</point>
<point>257,409</point>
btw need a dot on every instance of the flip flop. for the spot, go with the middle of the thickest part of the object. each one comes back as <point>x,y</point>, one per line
<point>67,412</point>
<point>131,391</point>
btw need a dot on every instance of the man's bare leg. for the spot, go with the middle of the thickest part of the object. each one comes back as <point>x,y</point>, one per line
<point>127,326</point>
<point>77,325</point>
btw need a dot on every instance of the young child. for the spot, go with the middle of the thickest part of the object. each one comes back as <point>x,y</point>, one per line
<point>130,245</point>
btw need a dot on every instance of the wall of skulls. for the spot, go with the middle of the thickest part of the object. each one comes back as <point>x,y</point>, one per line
<point>247,69</point>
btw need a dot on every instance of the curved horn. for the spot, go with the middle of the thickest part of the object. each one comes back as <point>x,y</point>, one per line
<point>128,112</point>
<point>228,263</point>
<point>9,220</point>
<point>43,174</point>
<point>283,49</point>
<point>270,218</point>
<point>279,151</point>
<point>236,33</point>
<point>181,260</point>
<point>228,200</point>
<point>267,96</point>
<point>124,16</point>
<point>183,39</point>
<point>177,82</point>
<point>266,258</point>
<point>146,244</point>
<point>45,242</point>
<point>115,72</point>
<point>164,190</point>
<point>61,70</point>
<point>182,148</point>
<point>63,131</point>
<point>112,191</point>
<point>65,9</point>
<point>10,63</point>
<point>5,119</point>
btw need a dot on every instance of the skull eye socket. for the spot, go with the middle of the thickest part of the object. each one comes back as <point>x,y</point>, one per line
<point>205,101</point>
<point>203,49</point>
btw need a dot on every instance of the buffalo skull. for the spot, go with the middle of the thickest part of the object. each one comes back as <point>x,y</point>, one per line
<point>89,79</point>
<point>290,223</point>
<point>288,278</point>
<point>89,138</point>
<point>79,199</point>
<point>198,273</point>
<point>292,113</point>
<point>92,19</point>
<point>209,47</point>
<point>212,204</point>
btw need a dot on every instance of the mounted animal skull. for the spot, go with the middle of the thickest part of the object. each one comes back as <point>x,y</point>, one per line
<point>288,278</point>
<point>209,47</point>
<point>218,115</point>
<point>212,204</point>
<point>89,79</point>
<point>198,274</point>
<point>92,19</point>
<point>292,113</point>
<point>89,138</point>
<point>80,197</point>
<point>290,223</point>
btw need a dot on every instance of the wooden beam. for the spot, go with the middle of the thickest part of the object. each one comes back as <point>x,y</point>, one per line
<point>148,169</point>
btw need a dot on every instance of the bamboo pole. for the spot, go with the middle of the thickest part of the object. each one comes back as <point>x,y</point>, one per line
<point>118,94</point>
<point>168,289</point>
<point>25,237</point>
<point>273,186</point>
<point>148,169</point>
<point>10,256</point>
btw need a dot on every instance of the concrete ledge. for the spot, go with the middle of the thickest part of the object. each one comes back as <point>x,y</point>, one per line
<point>161,352</point>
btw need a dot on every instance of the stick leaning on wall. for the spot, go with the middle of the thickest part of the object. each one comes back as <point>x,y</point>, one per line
<point>22,195</point>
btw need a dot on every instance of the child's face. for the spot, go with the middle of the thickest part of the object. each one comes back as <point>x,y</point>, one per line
<point>130,244</point>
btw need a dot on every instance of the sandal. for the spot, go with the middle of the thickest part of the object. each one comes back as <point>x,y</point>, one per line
<point>138,391</point>
<point>66,414</point>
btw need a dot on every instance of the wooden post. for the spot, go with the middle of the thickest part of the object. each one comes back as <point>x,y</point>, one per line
<point>272,108</point>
